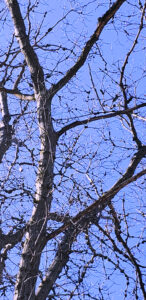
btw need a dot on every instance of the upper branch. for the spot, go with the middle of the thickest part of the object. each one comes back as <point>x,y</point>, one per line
<point>121,84</point>
<point>31,58</point>
<point>93,39</point>
<point>95,118</point>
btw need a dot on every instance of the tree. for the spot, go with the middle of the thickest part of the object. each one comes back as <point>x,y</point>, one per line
<point>72,149</point>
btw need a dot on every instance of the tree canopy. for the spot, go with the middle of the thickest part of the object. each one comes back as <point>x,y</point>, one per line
<point>72,150</point>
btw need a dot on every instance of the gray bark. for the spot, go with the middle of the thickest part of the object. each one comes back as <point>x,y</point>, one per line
<point>35,236</point>
<point>5,128</point>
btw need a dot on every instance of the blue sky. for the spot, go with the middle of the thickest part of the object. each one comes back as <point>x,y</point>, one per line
<point>77,101</point>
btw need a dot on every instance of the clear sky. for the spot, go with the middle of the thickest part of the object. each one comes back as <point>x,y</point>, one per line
<point>102,151</point>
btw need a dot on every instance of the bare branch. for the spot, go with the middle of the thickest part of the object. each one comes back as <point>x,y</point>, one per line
<point>126,247</point>
<point>62,177</point>
<point>128,55</point>
<point>96,118</point>
<point>58,263</point>
<point>94,38</point>
<point>5,128</point>
<point>80,221</point>
<point>18,94</point>
<point>103,201</point>
<point>7,242</point>
<point>31,58</point>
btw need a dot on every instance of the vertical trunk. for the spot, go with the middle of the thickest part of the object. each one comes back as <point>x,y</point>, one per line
<point>35,237</point>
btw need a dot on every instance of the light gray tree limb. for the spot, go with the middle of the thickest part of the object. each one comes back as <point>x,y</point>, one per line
<point>5,128</point>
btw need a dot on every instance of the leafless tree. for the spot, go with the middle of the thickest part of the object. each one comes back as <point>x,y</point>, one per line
<point>72,149</point>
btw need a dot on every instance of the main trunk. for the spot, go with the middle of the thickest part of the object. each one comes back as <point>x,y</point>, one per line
<point>35,236</point>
